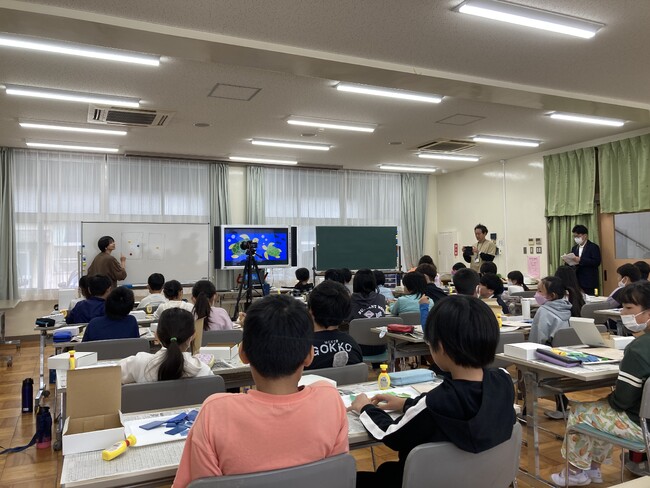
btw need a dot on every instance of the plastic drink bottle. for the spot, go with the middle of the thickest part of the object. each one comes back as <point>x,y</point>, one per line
<point>383,379</point>
<point>28,395</point>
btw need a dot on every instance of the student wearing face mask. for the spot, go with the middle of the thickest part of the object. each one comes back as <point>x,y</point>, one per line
<point>554,311</point>
<point>587,259</point>
<point>618,413</point>
<point>627,274</point>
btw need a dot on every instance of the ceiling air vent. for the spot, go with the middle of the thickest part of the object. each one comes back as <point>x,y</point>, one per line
<point>447,145</point>
<point>128,116</point>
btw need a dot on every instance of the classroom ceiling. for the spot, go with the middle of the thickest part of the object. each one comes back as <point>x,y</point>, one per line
<point>505,77</point>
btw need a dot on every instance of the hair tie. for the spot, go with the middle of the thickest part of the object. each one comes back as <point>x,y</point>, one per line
<point>173,339</point>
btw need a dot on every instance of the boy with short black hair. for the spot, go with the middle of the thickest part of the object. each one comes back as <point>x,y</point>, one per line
<point>279,424</point>
<point>431,290</point>
<point>83,312</point>
<point>329,305</point>
<point>488,267</point>
<point>155,284</point>
<point>491,286</point>
<point>472,408</point>
<point>466,282</point>
<point>303,285</point>
<point>117,323</point>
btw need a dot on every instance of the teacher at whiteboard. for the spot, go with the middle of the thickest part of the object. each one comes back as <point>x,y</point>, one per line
<point>483,251</point>
<point>107,265</point>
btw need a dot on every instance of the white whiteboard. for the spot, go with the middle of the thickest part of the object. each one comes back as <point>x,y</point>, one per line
<point>178,251</point>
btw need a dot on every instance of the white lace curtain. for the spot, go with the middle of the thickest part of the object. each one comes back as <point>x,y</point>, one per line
<point>309,198</point>
<point>55,191</point>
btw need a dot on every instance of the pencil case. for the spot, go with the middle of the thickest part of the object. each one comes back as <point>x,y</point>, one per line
<point>399,328</point>
<point>62,336</point>
<point>551,357</point>
<point>411,376</point>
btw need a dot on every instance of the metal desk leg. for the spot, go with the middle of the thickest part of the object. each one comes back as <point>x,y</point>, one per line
<point>43,392</point>
<point>5,342</point>
<point>532,434</point>
<point>392,352</point>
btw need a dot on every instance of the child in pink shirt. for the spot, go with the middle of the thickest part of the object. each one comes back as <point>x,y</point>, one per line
<point>278,425</point>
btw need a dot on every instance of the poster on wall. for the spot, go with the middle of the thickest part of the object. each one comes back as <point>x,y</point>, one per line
<point>533,267</point>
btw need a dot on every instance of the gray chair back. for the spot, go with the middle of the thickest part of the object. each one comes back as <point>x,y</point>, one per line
<point>115,348</point>
<point>233,336</point>
<point>360,330</point>
<point>336,471</point>
<point>513,337</point>
<point>137,397</point>
<point>566,337</point>
<point>588,309</point>
<point>523,294</point>
<point>343,375</point>
<point>410,318</point>
<point>449,466</point>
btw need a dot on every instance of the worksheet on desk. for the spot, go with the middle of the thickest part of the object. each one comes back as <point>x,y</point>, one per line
<point>402,391</point>
<point>157,435</point>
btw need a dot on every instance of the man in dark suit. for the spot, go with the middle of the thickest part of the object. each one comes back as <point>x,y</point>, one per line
<point>587,259</point>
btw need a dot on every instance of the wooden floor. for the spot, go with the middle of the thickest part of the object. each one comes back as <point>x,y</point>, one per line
<point>36,468</point>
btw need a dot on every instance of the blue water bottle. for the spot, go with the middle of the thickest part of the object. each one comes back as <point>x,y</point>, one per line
<point>28,395</point>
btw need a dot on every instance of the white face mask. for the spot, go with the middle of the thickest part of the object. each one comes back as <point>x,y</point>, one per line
<point>630,323</point>
<point>621,283</point>
<point>578,240</point>
<point>509,283</point>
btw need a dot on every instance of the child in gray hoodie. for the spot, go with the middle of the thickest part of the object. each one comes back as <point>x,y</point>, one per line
<point>554,311</point>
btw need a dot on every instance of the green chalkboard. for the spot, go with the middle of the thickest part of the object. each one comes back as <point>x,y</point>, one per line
<point>356,247</point>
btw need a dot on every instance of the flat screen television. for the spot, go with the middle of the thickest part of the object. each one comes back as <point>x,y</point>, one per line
<point>272,245</point>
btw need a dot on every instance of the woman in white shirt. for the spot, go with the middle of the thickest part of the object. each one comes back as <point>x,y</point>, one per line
<point>173,291</point>
<point>204,295</point>
<point>175,332</point>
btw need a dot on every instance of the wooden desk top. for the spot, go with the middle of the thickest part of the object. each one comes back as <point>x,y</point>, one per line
<point>582,373</point>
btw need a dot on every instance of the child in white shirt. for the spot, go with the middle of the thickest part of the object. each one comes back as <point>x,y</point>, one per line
<point>175,332</point>
<point>173,291</point>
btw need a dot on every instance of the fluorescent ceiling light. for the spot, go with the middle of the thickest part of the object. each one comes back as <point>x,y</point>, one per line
<point>389,92</point>
<point>587,119</point>
<point>72,147</point>
<point>448,156</point>
<point>71,96</point>
<point>530,17</point>
<point>36,44</point>
<point>255,159</point>
<point>507,141</point>
<point>331,124</point>
<point>408,169</point>
<point>69,128</point>
<point>290,144</point>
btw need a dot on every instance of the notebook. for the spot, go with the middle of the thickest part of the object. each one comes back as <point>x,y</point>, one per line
<point>587,332</point>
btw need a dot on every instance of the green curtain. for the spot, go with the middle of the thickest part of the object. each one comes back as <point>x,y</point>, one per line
<point>570,182</point>
<point>8,269</point>
<point>569,190</point>
<point>220,214</point>
<point>254,195</point>
<point>624,170</point>
<point>414,205</point>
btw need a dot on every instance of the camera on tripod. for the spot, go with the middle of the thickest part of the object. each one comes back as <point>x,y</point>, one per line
<point>248,246</point>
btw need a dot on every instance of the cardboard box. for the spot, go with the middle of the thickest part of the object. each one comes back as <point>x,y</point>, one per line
<point>138,314</point>
<point>94,398</point>
<point>523,350</point>
<point>62,361</point>
<point>226,353</point>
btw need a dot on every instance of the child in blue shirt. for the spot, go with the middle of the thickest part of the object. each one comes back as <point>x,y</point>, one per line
<point>86,310</point>
<point>415,286</point>
<point>117,323</point>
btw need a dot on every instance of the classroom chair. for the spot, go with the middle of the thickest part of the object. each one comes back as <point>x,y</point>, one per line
<point>220,337</point>
<point>449,466</point>
<point>360,332</point>
<point>114,348</point>
<point>336,471</point>
<point>138,397</point>
<point>343,375</point>
<point>638,446</point>
<point>513,337</point>
<point>410,318</point>
<point>588,309</point>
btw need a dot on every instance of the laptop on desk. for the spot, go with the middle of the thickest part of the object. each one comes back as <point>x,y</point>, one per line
<point>587,332</point>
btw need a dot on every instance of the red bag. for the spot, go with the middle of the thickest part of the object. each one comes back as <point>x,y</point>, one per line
<point>400,328</point>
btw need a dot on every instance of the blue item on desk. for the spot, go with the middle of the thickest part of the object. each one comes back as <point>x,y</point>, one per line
<point>411,376</point>
<point>62,336</point>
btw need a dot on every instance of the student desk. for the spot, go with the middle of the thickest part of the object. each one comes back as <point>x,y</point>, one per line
<point>156,464</point>
<point>609,313</point>
<point>539,378</point>
<point>7,305</point>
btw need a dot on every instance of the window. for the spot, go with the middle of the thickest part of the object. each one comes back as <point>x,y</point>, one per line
<point>632,235</point>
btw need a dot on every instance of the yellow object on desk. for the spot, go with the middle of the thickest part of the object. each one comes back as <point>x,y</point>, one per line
<point>384,378</point>
<point>73,360</point>
<point>118,448</point>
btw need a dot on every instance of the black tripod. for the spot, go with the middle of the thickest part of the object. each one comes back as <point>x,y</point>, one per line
<point>250,267</point>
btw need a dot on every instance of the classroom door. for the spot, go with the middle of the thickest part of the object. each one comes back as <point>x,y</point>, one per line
<point>622,240</point>
<point>446,257</point>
